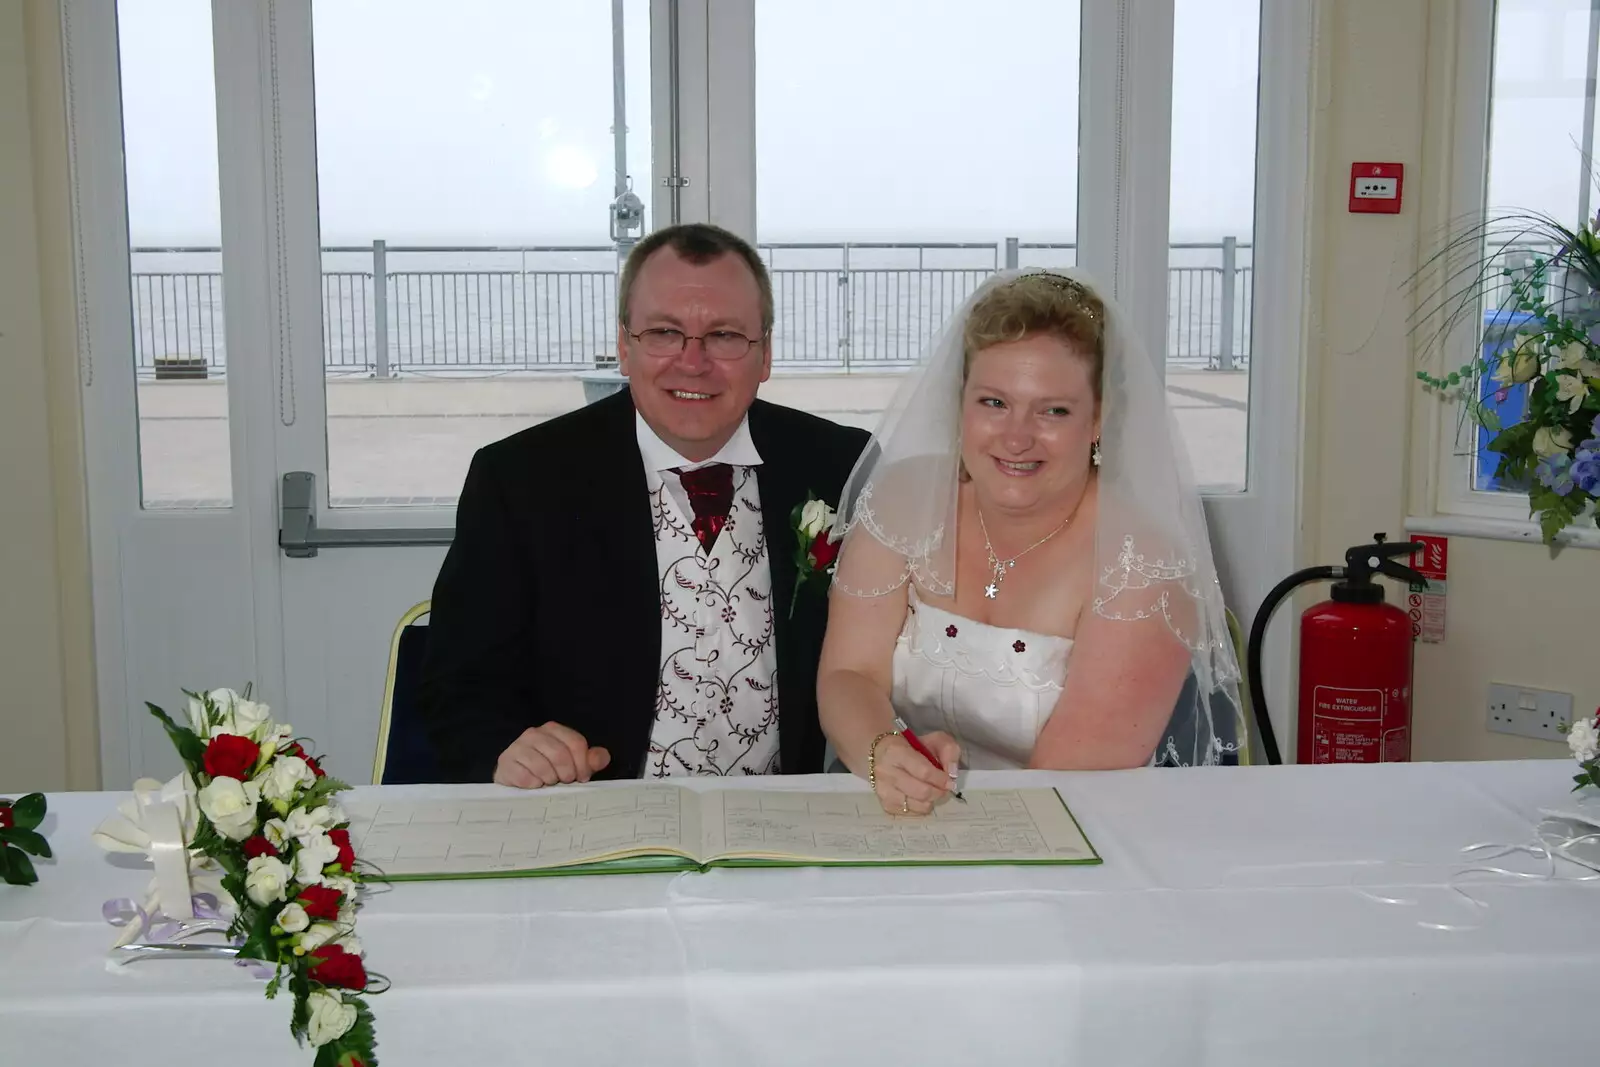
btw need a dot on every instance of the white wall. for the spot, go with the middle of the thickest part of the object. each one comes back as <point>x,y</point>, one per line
<point>1386,76</point>
<point>47,733</point>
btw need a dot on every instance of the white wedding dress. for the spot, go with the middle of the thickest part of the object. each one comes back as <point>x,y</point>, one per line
<point>989,687</point>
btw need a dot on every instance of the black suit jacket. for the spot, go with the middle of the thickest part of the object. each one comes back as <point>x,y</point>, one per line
<point>548,606</point>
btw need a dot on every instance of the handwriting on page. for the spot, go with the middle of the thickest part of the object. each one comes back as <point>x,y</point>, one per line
<point>994,824</point>
<point>537,830</point>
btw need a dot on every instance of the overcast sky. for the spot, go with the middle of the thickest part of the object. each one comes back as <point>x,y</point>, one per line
<point>489,121</point>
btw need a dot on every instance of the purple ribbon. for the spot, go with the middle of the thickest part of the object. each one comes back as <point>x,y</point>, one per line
<point>156,927</point>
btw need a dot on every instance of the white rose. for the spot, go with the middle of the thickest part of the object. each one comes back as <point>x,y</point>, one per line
<point>1522,365</point>
<point>316,852</point>
<point>815,517</point>
<point>293,918</point>
<point>331,1017</point>
<point>245,717</point>
<point>335,815</point>
<point>1575,356</point>
<point>266,879</point>
<point>1584,740</point>
<point>347,911</point>
<point>1548,442</point>
<point>302,823</point>
<point>223,700</point>
<point>199,722</point>
<point>231,806</point>
<point>276,833</point>
<point>350,943</point>
<point>286,775</point>
<point>1571,388</point>
<point>318,935</point>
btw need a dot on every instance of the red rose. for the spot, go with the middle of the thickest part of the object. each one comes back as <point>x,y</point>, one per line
<point>824,551</point>
<point>332,965</point>
<point>7,820</point>
<point>258,846</point>
<point>347,855</point>
<point>231,756</point>
<point>320,902</point>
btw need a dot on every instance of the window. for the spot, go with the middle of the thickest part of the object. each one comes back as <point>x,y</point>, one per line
<point>466,171</point>
<point>169,127</point>
<point>1541,140</point>
<point>1210,276</point>
<point>946,156</point>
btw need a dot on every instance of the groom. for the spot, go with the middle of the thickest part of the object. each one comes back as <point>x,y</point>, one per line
<point>616,602</point>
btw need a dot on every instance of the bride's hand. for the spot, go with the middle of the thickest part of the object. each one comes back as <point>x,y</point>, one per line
<point>906,783</point>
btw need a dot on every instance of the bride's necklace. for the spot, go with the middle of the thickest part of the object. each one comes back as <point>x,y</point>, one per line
<point>999,566</point>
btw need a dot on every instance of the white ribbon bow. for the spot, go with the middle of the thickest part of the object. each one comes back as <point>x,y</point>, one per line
<point>160,821</point>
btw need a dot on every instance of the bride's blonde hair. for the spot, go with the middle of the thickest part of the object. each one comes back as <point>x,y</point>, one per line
<point>1040,303</point>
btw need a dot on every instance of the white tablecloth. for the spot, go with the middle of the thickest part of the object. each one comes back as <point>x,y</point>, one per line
<point>1242,916</point>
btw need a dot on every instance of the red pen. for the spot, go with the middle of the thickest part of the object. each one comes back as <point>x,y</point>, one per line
<point>916,743</point>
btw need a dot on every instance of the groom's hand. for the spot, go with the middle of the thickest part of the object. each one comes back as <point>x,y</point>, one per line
<point>545,755</point>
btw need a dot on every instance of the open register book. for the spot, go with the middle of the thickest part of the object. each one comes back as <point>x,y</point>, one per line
<point>663,827</point>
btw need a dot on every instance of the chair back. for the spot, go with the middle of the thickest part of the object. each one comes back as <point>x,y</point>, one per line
<point>405,752</point>
<point>1180,735</point>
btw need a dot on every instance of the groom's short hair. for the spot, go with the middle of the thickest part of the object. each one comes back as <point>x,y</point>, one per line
<point>699,243</point>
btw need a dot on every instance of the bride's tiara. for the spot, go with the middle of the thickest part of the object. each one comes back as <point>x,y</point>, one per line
<point>1084,297</point>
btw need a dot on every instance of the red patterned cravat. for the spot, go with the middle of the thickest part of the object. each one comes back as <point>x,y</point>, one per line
<point>710,492</point>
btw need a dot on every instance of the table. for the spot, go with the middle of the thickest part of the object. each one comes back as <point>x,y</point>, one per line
<point>1259,915</point>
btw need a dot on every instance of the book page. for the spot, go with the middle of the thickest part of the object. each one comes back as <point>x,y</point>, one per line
<point>541,829</point>
<point>993,826</point>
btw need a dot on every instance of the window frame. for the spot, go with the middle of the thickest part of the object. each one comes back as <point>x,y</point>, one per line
<point>1447,503</point>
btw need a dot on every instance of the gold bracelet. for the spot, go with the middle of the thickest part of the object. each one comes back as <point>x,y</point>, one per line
<point>872,757</point>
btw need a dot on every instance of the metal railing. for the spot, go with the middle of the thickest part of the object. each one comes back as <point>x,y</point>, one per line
<point>390,310</point>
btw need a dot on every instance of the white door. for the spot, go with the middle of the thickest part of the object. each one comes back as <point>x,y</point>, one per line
<point>346,244</point>
<point>401,247</point>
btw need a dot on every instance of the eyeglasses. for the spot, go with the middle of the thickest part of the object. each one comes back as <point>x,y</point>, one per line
<point>719,344</point>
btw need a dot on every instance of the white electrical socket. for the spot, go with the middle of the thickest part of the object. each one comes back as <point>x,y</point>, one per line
<point>1528,712</point>
<point>1377,188</point>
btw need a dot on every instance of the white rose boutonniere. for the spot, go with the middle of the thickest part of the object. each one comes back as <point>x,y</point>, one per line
<point>816,551</point>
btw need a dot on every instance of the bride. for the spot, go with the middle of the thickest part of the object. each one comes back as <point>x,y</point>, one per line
<point>1025,578</point>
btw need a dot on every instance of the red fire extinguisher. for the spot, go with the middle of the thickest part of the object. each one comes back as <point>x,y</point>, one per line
<point>1355,662</point>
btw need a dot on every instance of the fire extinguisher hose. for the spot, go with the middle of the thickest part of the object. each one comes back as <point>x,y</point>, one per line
<point>1258,631</point>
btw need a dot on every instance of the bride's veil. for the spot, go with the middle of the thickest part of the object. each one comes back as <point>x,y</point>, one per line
<point>1152,553</point>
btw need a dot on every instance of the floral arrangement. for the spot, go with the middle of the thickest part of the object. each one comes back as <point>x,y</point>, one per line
<point>19,835</point>
<point>816,552</point>
<point>1583,738</point>
<point>1554,450</point>
<point>270,823</point>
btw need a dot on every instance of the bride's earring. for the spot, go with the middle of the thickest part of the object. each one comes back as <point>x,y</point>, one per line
<point>1094,452</point>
